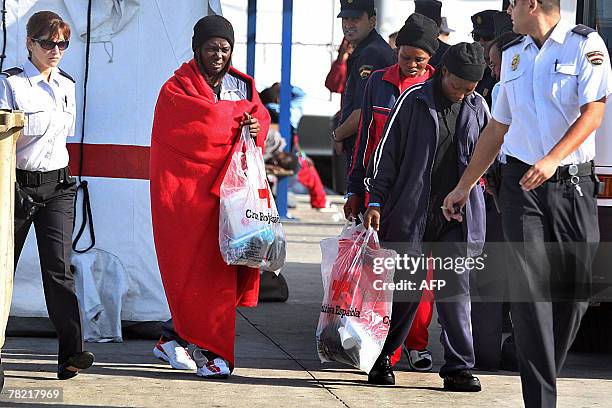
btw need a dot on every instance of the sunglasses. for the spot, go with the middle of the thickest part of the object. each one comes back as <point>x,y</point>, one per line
<point>478,37</point>
<point>49,45</point>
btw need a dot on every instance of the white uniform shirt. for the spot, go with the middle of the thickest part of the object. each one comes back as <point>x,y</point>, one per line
<point>542,91</point>
<point>51,113</point>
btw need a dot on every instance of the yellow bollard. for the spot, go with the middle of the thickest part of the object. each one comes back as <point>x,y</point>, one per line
<point>11,124</point>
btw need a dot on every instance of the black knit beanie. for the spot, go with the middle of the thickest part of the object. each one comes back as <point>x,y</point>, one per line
<point>466,61</point>
<point>419,32</point>
<point>209,27</point>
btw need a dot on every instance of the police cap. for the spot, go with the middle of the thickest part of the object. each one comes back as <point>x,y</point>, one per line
<point>483,23</point>
<point>355,8</point>
<point>429,8</point>
<point>502,22</point>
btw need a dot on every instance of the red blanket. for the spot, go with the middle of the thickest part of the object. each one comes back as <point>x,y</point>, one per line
<point>190,149</point>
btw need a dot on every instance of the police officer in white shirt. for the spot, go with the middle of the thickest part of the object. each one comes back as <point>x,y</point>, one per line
<point>45,190</point>
<point>554,84</point>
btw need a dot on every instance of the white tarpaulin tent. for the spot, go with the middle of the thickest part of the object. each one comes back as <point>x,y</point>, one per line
<point>136,46</point>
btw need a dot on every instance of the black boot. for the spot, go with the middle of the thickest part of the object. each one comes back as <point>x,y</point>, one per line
<point>461,381</point>
<point>382,372</point>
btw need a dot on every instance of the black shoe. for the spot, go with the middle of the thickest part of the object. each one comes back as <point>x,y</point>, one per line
<point>461,381</point>
<point>382,372</point>
<point>80,361</point>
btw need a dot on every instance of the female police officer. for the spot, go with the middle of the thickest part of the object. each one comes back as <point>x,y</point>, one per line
<point>46,94</point>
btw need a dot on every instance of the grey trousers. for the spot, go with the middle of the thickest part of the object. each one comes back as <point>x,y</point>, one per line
<point>452,304</point>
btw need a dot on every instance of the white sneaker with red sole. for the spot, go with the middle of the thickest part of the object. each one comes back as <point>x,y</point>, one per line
<point>175,354</point>
<point>209,364</point>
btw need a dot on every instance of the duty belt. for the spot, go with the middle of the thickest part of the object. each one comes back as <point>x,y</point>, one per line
<point>27,178</point>
<point>573,170</point>
<point>566,172</point>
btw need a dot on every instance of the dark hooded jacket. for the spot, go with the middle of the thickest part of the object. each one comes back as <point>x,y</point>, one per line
<point>399,172</point>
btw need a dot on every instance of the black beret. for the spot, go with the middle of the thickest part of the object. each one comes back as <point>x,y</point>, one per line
<point>209,27</point>
<point>466,61</point>
<point>420,32</point>
<point>355,8</point>
<point>483,23</point>
<point>429,8</point>
<point>502,22</point>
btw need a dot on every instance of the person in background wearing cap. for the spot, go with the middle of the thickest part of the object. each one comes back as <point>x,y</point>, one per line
<point>488,318</point>
<point>425,147</point>
<point>198,118</point>
<point>445,31</point>
<point>416,42</point>
<point>555,81</point>
<point>433,10</point>
<point>484,33</point>
<point>490,283</point>
<point>370,53</point>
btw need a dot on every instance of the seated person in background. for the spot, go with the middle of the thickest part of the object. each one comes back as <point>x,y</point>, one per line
<point>307,174</point>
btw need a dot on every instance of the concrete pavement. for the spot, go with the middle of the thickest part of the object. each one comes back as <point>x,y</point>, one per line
<point>277,363</point>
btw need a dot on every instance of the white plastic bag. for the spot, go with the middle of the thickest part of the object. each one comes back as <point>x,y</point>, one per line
<point>250,232</point>
<point>356,310</point>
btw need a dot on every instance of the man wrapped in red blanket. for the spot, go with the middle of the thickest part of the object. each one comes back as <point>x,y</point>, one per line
<point>198,117</point>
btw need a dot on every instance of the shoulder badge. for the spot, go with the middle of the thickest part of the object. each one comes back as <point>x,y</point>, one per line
<point>515,62</point>
<point>595,57</point>
<point>583,30</point>
<point>512,43</point>
<point>12,71</point>
<point>365,71</point>
<point>65,74</point>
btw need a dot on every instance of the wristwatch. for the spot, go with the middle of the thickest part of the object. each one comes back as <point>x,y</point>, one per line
<point>333,134</point>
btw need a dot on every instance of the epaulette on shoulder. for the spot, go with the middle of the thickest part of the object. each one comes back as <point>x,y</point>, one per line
<point>12,71</point>
<point>583,30</point>
<point>512,43</point>
<point>67,75</point>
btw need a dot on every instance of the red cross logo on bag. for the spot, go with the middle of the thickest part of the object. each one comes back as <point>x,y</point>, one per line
<point>264,193</point>
<point>340,286</point>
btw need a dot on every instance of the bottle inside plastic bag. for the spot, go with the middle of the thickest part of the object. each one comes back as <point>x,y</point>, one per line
<point>355,315</point>
<point>250,232</point>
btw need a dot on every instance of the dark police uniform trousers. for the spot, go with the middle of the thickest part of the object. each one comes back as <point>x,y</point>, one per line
<point>550,283</point>
<point>488,289</point>
<point>53,224</point>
